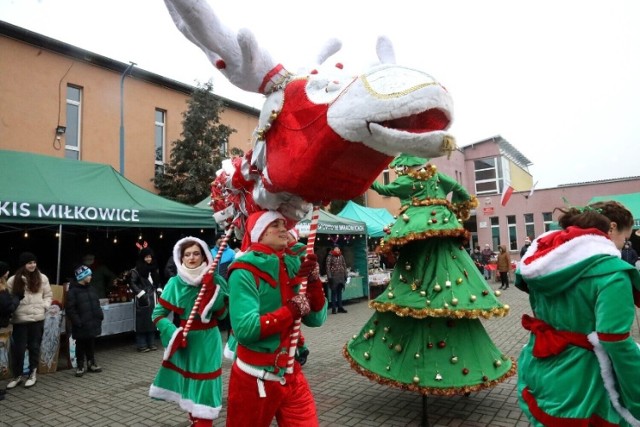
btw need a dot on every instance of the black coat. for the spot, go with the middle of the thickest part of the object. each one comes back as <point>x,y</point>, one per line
<point>8,304</point>
<point>146,303</point>
<point>83,311</point>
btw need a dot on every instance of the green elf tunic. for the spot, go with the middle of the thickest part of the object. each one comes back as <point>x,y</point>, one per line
<point>297,250</point>
<point>191,377</point>
<point>256,298</point>
<point>426,335</point>
<point>581,366</point>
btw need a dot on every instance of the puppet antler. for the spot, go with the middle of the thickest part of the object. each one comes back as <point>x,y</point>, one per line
<point>237,56</point>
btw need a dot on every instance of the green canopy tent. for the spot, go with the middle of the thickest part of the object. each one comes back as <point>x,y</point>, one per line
<point>375,218</point>
<point>351,236</point>
<point>40,190</point>
<point>631,201</point>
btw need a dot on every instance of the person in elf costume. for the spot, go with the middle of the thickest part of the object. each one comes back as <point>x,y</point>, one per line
<point>190,374</point>
<point>426,335</point>
<point>263,306</point>
<point>294,248</point>
<point>581,365</point>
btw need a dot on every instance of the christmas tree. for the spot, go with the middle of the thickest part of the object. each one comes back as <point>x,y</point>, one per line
<point>426,334</point>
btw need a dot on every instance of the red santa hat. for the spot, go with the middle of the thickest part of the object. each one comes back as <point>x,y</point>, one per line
<point>255,226</point>
<point>294,232</point>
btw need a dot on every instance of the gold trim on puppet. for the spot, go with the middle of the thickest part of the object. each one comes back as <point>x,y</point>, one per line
<point>439,312</point>
<point>450,391</point>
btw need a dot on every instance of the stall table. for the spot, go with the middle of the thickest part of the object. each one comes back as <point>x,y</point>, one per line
<point>377,283</point>
<point>118,318</point>
<point>353,288</point>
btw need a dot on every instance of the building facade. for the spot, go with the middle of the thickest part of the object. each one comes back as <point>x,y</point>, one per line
<point>486,168</point>
<point>63,101</point>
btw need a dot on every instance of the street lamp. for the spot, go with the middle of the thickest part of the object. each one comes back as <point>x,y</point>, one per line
<point>127,70</point>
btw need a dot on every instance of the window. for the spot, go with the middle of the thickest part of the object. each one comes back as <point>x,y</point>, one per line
<point>159,141</point>
<point>495,232</point>
<point>513,235</point>
<point>548,220</point>
<point>72,134</point>
<point>529,227</point>
<point>487,176</point>
<point>386,179</point>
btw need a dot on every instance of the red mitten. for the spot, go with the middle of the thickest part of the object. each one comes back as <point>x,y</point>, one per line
<point>208,297</point>
<point>177,342</point>
<point>308,265</point>
<point>299,306</point>
<point>315,295</point>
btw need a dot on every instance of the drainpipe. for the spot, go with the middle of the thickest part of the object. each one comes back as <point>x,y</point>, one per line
<point>126,71</point>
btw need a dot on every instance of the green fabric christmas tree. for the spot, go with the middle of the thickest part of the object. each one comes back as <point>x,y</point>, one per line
<point>426,334</point>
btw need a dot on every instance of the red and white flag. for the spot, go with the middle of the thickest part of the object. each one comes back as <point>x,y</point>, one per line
<point>506,195</point>
<point>532,190</point>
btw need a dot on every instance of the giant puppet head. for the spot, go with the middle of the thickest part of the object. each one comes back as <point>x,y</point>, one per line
<point>321,135</point>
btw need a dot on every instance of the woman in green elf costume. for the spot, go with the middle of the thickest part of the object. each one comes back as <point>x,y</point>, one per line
<point>191,370</point>
<point>426,335</point>
<point>581,366</point>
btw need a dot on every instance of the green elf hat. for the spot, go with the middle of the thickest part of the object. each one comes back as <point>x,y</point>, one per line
<point>408,160</point>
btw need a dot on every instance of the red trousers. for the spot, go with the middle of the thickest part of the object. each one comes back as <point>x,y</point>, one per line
<point>291,404</point>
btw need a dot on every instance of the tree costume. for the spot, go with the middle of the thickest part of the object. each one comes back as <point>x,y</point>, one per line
<point>191,375</point>
<point>581,365</point>
<point>426,335</point>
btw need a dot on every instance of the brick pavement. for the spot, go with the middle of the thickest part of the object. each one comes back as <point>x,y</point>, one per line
<point>118,396</point>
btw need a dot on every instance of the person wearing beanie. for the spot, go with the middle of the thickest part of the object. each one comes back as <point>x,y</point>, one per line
<point>191,366</point>
<point>84,311</point>
<point>264,304</point>
<point>8,304</point>
<point>145,283</point>
<point>33,289</point>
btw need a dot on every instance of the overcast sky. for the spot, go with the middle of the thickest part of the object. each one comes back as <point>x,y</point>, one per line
<point>558,79</point>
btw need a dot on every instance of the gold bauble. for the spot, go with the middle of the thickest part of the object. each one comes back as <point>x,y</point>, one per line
<point>454,301</point>
<point>497,293</point>
<point>473,298</point>
<point>366,355</point>
<point>437,288</point>
<point>416,379</point>
<point>390,295</point>
<point>497,363</point>
<point>398,348</point>
<point>454,360</point>
<point>423,293</point>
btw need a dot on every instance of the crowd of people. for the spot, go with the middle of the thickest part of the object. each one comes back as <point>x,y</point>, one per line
<point>257,290</point>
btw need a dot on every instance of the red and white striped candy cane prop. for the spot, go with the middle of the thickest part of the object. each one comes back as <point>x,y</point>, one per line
<point>295,333</point>
<point>214,265</point>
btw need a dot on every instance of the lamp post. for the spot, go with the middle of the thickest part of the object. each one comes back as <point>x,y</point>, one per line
<point>127,70</point>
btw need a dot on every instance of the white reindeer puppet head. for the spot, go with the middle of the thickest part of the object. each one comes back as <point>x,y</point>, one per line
<point>321,136</point>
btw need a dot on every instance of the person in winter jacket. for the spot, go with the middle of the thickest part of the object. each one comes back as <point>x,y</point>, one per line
<point>503,265</point>
<point>190,374</point>
<point>629,254</point>
<point>264,306</point>
<point>337,277</point>
<point>581,365</point>
<point>146,284</point>
<point>33,289</point>
<point>8,301</point>
<point>8,304</point>
<point>85,314</point>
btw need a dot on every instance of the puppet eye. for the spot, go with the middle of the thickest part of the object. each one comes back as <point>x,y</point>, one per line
<point>313,72</point>
<point>339,65</point>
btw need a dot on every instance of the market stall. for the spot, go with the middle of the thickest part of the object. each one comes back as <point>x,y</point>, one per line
<point>376,219</point>
<point>351,236</point>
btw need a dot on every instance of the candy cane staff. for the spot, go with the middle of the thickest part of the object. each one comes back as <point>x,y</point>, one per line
<point>263,307</point>
<point>190,374</point>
